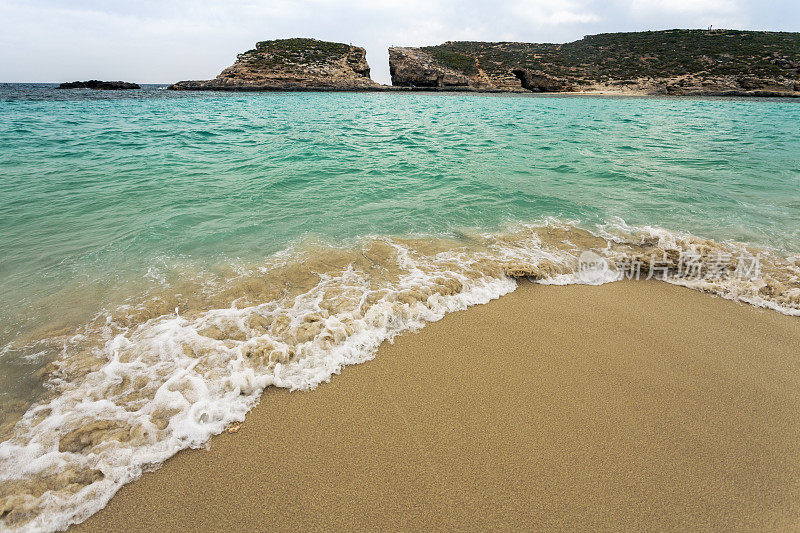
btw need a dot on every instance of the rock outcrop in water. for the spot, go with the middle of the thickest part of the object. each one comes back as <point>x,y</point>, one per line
<point>292,65</point>
<point>672,62</point>
<point>99,85</point>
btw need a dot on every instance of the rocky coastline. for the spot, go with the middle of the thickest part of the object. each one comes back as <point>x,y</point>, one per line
<point>669,63</point>
<point>292,65</point>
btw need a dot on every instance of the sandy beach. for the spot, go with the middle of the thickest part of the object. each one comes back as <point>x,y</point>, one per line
<point>634,405</point>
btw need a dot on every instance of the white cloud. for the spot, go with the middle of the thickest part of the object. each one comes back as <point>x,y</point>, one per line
<point>555,12</point>
<point>689,13</point>
<point>164,41</point>
<point>691,7</point>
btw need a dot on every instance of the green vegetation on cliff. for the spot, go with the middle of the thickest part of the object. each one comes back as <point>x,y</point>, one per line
<point>457,61</point>
<point>299,50</point>
<point>656,54</point>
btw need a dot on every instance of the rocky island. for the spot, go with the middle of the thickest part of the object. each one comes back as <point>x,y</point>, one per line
<point>293,65</point>
<point>99,85</point>
<point>670,62</point>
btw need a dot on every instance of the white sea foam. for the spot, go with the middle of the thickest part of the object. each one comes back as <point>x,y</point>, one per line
<point>133,389</point>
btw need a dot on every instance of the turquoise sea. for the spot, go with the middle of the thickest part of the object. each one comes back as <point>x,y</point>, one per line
<point>165,256</point>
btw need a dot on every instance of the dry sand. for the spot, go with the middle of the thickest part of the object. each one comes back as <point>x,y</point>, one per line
<point>635,405</point>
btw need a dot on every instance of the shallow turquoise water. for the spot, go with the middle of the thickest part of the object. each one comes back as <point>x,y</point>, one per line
<point>101,190</point>
<point>159,246</point>
<point>100,183</point>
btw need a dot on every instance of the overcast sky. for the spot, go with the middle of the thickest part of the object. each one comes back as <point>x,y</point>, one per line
<point>160,41</point>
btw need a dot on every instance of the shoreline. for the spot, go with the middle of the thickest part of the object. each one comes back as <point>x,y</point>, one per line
<point>555,406</point>
<point>470,90</point>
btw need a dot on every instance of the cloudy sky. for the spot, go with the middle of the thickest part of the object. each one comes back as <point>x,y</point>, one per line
<point>159,41</point>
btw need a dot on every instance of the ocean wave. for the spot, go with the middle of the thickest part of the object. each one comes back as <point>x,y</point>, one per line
<point>169,370</point>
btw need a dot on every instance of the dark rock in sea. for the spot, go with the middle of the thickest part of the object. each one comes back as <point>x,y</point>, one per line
<point>293,65</point>
<point>99,85</point>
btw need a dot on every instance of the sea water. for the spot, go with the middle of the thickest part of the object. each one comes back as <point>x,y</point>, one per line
<point>166,256</point>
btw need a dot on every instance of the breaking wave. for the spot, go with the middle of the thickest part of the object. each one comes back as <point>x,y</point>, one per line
<point>172,368</point>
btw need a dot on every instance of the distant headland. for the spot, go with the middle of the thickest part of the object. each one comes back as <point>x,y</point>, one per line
<point>670,62</point>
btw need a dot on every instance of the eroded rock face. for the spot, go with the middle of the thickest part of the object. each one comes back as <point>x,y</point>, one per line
<point>424,68</point>
<point>291,65</point>
<point>413,67</point>
<point>538,81</point>
<point>669,62</point>
<point>728,86</point>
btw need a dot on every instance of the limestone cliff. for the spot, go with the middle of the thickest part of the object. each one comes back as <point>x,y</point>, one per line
<point>292,65</point>
<point>672,62</point>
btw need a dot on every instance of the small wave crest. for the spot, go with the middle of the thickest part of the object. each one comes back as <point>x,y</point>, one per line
<point>164,373</point>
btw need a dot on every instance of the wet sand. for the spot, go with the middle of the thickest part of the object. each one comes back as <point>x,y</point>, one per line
<point>630,405</point>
